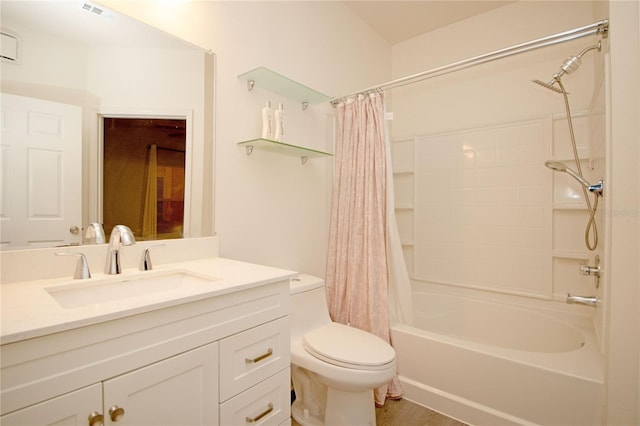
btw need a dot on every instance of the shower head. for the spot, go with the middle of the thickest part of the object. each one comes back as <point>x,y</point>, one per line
<point>557,166</point>
<point>568,66</point>
<point>549,85</point>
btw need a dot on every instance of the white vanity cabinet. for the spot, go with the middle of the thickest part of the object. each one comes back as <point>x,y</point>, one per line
<point>219,360</point>
<point>176,391</point>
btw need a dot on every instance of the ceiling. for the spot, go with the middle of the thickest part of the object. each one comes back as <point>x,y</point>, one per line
<point>399,20</point>
<point>80,22</point>
<point>394,20</point>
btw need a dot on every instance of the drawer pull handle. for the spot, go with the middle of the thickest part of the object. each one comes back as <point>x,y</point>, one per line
<point>260,358</point>
<point>259,416</point>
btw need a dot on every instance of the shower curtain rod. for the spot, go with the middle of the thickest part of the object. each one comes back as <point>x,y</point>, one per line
<point>600,27</point>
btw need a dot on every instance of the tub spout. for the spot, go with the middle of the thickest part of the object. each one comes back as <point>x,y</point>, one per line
<point>583,300</point>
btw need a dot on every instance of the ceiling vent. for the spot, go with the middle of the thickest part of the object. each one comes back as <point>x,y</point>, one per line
<point>97,10</point>
<point>10,47</point>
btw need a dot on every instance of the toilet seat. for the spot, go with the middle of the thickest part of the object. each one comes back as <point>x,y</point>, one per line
<point>349,347</point>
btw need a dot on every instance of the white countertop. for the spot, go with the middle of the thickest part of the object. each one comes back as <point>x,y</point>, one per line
<point>28,310</point>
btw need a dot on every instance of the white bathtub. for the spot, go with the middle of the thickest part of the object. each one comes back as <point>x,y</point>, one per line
<point>488,363</point>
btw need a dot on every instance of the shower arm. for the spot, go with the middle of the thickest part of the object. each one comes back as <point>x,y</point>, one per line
<point>572,63</point>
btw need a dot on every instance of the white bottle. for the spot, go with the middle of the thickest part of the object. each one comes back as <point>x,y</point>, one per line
<point>267,121</point>
<point>279,117</point>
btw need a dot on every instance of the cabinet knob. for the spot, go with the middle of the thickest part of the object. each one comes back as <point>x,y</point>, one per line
<point>116,413</point>
<point>96,419</point>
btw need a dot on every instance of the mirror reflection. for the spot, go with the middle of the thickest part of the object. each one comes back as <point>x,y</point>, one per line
<point>106,69</point>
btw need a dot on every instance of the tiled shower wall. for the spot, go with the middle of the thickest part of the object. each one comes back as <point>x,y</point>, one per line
<point>477,208</point>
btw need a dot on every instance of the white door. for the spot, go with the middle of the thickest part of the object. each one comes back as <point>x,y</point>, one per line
<point>179,391</point>
<point>41,177</point>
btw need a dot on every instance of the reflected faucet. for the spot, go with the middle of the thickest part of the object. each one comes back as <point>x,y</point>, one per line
<point>582,300</point>
<point>120,235</point>
<point>95,231</point>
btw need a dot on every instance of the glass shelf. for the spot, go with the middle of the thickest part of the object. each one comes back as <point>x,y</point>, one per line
<point>277,83</point>
<point>283,148</point>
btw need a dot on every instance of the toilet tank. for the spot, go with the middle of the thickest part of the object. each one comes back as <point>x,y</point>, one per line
<point>308,304</point>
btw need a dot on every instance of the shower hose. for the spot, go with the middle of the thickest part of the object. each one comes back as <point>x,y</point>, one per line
<point>591,230</point>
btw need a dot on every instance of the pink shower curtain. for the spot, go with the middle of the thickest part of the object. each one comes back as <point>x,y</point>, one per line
<point>357,276</point>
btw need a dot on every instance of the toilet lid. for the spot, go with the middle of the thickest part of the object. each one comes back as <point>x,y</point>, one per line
<point>349,347</point>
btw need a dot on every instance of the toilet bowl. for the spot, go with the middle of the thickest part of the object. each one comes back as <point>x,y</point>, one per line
<point>335,367</point>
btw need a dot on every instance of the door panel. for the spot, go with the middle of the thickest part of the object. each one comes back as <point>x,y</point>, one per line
<point>40,191</point>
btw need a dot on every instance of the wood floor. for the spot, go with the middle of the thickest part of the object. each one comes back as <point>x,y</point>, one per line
<point>406,413</point>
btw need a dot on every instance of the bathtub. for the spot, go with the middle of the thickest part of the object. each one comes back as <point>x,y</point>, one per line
<point>488,363</point>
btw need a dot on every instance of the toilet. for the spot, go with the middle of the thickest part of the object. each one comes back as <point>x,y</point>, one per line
<point>334,367</point>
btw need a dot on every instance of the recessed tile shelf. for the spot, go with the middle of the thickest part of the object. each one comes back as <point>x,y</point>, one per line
<point>283,148</point>
<point>277,83</point>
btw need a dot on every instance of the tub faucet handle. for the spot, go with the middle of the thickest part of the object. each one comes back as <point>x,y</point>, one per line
<point>592,271</point>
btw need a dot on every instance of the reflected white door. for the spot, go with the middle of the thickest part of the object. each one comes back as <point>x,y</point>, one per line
<point>41,175</point>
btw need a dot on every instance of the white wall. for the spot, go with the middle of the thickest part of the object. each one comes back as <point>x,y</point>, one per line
<point>622,357</point>
<point>495,92</point>
<point>269,208</point>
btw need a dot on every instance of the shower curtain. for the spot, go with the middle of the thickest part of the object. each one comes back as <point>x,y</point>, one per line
<point>357,275</point>
<point>149,213</point>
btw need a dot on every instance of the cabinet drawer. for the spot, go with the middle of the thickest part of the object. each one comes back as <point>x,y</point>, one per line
<point>267,403</point>
<point>252,356</point>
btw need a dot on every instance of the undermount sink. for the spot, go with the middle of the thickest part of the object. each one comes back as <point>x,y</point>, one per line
<point>88,292</point>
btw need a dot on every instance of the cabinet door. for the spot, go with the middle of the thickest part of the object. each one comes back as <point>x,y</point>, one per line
<point>73,408</point>
<point>181,390</point>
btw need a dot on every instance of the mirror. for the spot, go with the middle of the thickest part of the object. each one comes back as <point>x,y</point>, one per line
<point>109,65</point>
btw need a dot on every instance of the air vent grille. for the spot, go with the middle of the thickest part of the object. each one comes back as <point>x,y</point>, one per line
<point>97,10</point>
<point>10,47</point>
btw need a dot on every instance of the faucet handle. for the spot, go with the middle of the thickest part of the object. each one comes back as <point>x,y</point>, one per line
<point>145,260</point>
<point>82,267</point>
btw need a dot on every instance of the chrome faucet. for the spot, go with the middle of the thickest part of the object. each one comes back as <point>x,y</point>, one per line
<point>583,300</point>
<point>95,232</point>
<point>120,235</point>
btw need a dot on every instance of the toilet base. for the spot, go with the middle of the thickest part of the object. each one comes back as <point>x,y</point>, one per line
<point>342,409</point>
<point>350,408</point>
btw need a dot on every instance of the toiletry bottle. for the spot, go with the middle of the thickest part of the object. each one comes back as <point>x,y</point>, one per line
<point>279,118</point>
<point>267,121</point>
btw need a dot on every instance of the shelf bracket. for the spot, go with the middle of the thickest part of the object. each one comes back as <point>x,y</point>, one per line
<point>305,105</point>
<point>304,159</point>
<point>248,149</point>
<point>250,84</point>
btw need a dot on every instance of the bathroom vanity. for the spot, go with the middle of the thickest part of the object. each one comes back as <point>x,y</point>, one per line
<point>210,347</point>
